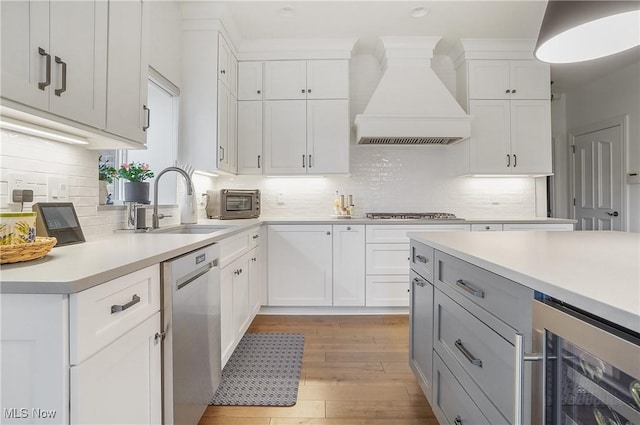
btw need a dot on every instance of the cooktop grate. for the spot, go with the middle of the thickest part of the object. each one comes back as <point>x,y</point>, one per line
<point>414,216</point>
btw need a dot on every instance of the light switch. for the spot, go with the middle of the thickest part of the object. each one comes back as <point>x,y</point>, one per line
<point>58,189</point>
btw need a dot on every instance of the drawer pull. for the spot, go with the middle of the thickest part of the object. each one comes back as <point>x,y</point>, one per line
<point>467,354</point>
<point>457,420</point>
<point>421,258</point>
<point>419,282</point>
<point>134,300</point>
<point>470,289</point>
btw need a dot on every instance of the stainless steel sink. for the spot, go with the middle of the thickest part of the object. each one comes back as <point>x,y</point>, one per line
<point>191,229</point>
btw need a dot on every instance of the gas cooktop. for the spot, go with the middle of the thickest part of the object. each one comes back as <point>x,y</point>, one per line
<point>415,216</point>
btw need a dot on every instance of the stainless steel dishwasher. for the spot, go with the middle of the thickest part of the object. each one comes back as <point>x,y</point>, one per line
<point>191,319</point>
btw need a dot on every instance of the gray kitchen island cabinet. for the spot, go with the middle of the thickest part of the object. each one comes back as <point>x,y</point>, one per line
<point>485,286</point>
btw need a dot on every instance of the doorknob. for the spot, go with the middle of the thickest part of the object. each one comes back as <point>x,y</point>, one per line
<point>613,214</point>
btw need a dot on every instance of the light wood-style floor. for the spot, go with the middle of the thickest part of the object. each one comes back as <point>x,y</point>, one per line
<point>355,372</point>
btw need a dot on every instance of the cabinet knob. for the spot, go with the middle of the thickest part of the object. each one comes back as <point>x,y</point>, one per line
<point>487,228</point>
<point>222,71</point>
<point>255,236</point>
<point>258,91</point>
<point>513,91</point>
<point>302,90</point>
<point>328,233</point>
<point>508,91</point>
<point>348,227</point>
<point>308,90</point>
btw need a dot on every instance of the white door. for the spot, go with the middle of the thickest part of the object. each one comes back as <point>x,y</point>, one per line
<point>285,80</point>
<point>224,111</point>
<point>348,265</point>
<point>24,30</point>
<point>598,180</point>
<point>250,158</point>
<point>162,141</point>
<point>126,374</point>
<point>489,79</point>
<point>285,134</point>
<point>128,70</point>
<point>327,136</point>
<point>490,144</point>
<point>241,309</point>
<point>250,80</point>
<point>300,265</point>
<point>224,58</point>
<point>531,137</point>
<point>78,41</point>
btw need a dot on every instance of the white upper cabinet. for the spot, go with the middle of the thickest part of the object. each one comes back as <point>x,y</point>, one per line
<point>54,57</point>
<point>285,133</point>
<point>250,80</point>
<point>510,137</point>
<point>250,157</point>
<point>127,113</point>
<point>312,79</point>
<point>328,79</point>
<point>224,59</point>
<point>327,136</point>
<point>227,129</point>
<point>509,79</point>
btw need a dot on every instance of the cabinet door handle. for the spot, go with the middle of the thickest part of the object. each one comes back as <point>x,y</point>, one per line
<point>457,420</point>
<point>259,160</point>
<point>63,88</point>
<point>310,164</point>
<point>421,258</point>
<point>303,161</point>
<point>47,80</point>
<point>222,71</point>
<point>117,308</point>
<point>467,354</point>
<point>470,289</point>
<point>221,153</point>
<point>508,160</point>
<point>160,336</point>
<point>256,236</point>
<point>147,111</point>
<point>508,91</point>
<point>613,214</point>
<point>419,282</point>
<point>515,160</point>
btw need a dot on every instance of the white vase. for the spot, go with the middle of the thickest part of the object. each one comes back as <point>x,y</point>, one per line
<point>102,192</point>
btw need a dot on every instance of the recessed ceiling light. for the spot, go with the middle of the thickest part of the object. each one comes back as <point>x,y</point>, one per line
<point>419,12</point>
<point>286,12</point>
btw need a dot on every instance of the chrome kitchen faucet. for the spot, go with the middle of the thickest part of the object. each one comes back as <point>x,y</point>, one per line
<point>155,220</point>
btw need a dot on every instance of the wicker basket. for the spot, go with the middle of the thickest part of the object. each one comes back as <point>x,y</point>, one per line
<point>26,251</point>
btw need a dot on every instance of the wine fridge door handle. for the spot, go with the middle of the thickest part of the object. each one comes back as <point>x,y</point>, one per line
<point>520,358</point>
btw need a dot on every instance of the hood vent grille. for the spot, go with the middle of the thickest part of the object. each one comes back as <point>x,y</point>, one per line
<point>409,140</point>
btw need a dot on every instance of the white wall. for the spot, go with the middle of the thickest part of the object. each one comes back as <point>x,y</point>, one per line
<point>394,178</point>
<point>613,96</point>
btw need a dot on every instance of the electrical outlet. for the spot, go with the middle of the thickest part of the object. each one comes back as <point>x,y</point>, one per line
<point>16,182</point>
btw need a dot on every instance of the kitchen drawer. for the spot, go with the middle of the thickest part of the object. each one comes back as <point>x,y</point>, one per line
<point>234,246</point>
<point>387,291</point>
<point>397,233</point>
<point>451,403</point>
<point>485,355</point>
<point>100,315</point>
<point>387,258</point>
<point>503,298</point>
<point>542,226</point>
<point>479,227</point>
<point>422,257</point>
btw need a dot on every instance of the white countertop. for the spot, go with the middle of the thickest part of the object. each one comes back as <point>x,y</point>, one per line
<point>598,272</point>
<point>74,268</point>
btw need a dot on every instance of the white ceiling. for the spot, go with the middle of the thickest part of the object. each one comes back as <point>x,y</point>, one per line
<point>451,19</point>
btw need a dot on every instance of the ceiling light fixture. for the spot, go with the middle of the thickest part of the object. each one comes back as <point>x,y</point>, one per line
<point>37,131</point>
<point>419,12</point>
<point>577,31</point>
<point>286,12</point>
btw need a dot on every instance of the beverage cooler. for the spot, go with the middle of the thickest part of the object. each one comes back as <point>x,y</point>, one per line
<point>589,373</point>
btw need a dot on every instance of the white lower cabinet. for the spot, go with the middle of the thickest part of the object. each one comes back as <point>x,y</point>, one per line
<point>121,383</point>
<point>348,265</point>
<point>239,288</point>
<point>421,331</point>
<point>92,357</point>
<point>300,265</point>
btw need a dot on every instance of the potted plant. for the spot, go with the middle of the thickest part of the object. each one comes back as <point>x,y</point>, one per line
<point>135,188</point>
<point>106,174</point>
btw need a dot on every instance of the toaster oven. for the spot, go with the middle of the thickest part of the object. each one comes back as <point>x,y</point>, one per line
<point>230,204</point>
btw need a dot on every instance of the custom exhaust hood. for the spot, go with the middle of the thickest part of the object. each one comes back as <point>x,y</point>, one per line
<point>411,105</point>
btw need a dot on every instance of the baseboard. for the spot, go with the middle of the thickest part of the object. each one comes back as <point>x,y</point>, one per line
<point>332,311</point>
